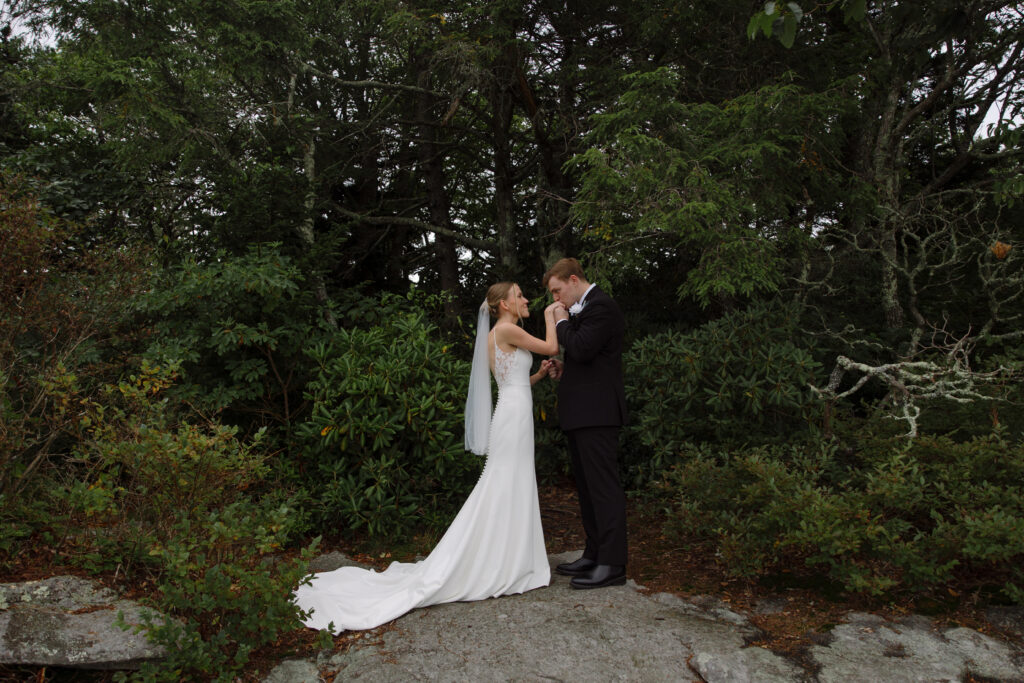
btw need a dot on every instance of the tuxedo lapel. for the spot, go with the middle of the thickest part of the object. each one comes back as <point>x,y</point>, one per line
<point>594,293</point>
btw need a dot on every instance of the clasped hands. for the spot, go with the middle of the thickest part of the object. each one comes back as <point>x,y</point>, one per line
<point>552,367</point>
<point>558,311</point>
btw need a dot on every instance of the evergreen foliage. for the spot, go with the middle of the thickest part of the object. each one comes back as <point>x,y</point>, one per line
<point>236,327</point>
<point>738,380</point>
<point>874,513</point>
<point>382,448</point>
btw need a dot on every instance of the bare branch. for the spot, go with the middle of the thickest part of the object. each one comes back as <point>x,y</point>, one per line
<point>416,223</point>
<point>948,376</point>
<point>380,85</point>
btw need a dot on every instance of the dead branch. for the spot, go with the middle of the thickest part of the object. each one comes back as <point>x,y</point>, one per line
<point>946,376</point>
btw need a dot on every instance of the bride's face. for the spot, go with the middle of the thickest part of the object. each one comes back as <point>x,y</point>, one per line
<point>517,303</point>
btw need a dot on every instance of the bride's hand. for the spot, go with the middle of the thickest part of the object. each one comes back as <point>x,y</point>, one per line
<point>557,310</point>
<point>544,371</point>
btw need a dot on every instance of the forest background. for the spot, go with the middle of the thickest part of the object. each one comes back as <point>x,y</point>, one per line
<point>243,244</point>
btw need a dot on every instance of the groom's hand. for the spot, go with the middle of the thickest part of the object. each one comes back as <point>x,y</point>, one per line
<point>554,368</point>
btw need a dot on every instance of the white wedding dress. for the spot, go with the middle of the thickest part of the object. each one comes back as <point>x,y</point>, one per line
<point>494,547</point>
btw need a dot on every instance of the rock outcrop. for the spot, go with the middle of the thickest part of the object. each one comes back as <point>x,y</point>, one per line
<point>68,621</point>
<point>625,634</point>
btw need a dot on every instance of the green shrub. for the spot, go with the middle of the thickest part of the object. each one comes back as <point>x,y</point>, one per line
<point>881,514</point>
<point>236,326</point>
<point>382,449</point>
<point>63,333</point>
<point>739,379</point>
<point>138,471</point>
<point>148,492</point>
<point>220,595</point>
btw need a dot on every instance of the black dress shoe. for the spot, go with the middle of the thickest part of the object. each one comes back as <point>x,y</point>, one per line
<point>577,568</point>
<point>600,576</point>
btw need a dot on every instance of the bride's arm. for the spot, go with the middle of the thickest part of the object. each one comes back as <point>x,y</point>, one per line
<point>507,333</point>
<point>540,374</point>
<point>546,370</point>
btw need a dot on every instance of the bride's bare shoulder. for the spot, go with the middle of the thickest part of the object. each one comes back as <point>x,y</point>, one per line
<point>506,334</point>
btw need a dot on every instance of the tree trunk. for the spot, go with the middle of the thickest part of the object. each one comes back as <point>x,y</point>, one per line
<point>438,201</point>
<point>306,228</point>
<point>885,176</point>
<point>504,199</point>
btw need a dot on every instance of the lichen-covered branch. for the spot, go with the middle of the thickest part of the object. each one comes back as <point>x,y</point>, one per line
<point>947,376</point>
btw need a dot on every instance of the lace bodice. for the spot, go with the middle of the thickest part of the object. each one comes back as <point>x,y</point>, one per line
<point>511,368</point>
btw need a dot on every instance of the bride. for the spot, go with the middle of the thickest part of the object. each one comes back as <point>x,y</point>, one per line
<point>495,545</point>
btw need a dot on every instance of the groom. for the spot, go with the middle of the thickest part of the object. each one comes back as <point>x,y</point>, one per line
<point>592,409</point>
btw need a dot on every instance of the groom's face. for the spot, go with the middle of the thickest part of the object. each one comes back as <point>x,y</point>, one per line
<point>564,291</point>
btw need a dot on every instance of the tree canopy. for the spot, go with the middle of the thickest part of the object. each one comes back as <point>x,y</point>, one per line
<point>390,142</point>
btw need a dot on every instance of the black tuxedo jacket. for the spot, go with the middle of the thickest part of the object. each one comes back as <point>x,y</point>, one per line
<point>591,392</point>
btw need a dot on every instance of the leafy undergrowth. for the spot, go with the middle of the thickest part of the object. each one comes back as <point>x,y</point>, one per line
<point>806,607</point>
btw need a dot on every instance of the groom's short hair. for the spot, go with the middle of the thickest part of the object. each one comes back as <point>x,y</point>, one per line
<point>564,269</point>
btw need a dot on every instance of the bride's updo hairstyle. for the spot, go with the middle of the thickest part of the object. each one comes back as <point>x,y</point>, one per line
<point>497,293</point>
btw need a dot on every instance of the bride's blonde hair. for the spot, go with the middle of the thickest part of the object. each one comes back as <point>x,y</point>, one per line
<point>497,293</point>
